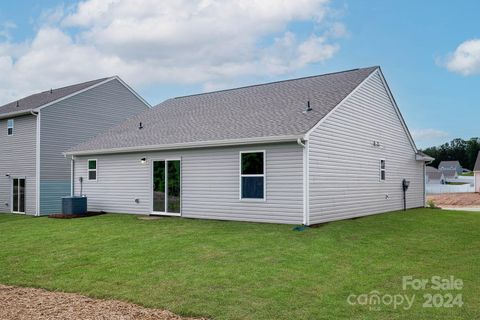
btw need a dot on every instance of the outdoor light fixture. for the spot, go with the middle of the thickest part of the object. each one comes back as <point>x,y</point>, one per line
<point>405,185</point>
<point>143,160</point>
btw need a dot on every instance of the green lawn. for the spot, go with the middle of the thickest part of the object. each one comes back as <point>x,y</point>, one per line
<point>467,174</point>
<point>234,270</point>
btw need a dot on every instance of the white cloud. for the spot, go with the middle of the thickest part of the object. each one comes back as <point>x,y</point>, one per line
<point>465,59</point>
<point>428,135</point>
<point>150,42</point>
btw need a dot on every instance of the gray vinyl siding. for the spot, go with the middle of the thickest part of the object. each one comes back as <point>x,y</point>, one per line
<point>17,158</point>
<point>210,183</point>
<point>344,174</point>
<point>72,121</point>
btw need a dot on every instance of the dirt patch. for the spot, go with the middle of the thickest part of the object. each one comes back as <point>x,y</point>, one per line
<point>147,218</point>
<point>73,216</point>
<point>456,200</point>
<point>29,303</point>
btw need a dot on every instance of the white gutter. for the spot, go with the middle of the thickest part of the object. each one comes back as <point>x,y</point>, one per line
<point>188,145</point>
<point>16,114</point>
<point>424,158</point>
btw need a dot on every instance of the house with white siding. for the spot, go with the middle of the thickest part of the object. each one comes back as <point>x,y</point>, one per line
<point>434,176</point>
<point>476,173</point>
<point>37,129</point>
<point>301,151</point>
<point>450,166</point>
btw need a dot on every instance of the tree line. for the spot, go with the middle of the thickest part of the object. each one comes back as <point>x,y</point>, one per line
<point>465,151</point>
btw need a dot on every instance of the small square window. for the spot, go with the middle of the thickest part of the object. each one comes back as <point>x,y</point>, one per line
<point>10,124</point>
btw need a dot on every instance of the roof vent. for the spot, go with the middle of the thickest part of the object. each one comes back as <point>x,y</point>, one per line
<point>140,126</point>
<point>18,105</point>
<point>308,107</point>
<point>51,91</point>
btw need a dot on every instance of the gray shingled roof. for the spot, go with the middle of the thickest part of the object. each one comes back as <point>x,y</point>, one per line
<point>477,163</point>
<point>39,99</point>
<point>434,175</point>
<point>448,163</point>
<point>431,169</point>
<point>265,110</point>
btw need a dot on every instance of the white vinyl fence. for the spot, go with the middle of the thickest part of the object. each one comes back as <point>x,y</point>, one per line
<point>464,179</point>
<point>449,188</point>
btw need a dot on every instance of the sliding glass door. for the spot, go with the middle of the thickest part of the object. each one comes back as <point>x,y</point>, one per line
<point>18,195</point>
<point>166,187</point>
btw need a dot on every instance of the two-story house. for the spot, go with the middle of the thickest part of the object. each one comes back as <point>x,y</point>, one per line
<point>37,129</point>
<point>449,166</point>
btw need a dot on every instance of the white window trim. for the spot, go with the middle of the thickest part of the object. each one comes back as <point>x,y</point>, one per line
<point>96,170</point>
<point>165,213</point>
<point>12,127</point>
<point>264,175</point>
<point>11,194</point>
<point>380,170</point>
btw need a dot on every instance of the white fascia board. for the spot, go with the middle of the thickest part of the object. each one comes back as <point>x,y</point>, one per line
<point>74,94</point>
<point>392,100</point>
<point>307,135</point>
<point>37,109</point>
<point>189,145</point>
<point>397,109</point>
<point>133,91</point>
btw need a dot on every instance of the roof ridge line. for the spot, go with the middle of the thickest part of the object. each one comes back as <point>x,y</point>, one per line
<point>272,82</point>
<point>58,88</point>
<point>70,85</point>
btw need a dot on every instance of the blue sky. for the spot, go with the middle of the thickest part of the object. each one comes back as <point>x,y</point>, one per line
<point>428,50</point>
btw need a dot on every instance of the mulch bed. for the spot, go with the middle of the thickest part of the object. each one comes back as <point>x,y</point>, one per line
<point>452,200</point>
<point>30,303</point>
<point>72,216</point>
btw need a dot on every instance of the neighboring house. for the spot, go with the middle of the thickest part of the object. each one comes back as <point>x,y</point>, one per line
<point>450,165</point>
<point>450,174</point>
<point>476,173</point>
<point>308,150</point>
<point>36,130</point>
<point>435,177</point>
<point>431,169</point>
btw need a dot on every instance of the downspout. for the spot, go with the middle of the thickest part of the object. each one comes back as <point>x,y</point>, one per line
<point>304,145</point>
<point>37,163</point>
<point>425,163</point>
<point>72,176</point>
<point>299,141</point>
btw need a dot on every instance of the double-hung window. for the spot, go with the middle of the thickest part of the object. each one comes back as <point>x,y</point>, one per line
<point>92,170</point>
<point>252,175</point>
<point>382,170</point>
<point>10,127</point>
